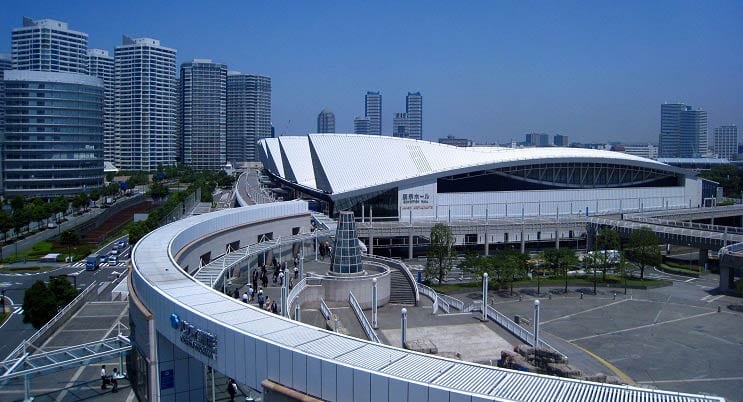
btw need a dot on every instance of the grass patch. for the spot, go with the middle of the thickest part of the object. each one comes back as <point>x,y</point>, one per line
<point>676,269</point>
<point>3,317</point>
<point>573,281</point>
<point>45,247</point>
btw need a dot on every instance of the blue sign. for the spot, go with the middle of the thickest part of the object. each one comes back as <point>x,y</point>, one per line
<point>167,380</point>
<point>202,341</point>
<point>174,321</point>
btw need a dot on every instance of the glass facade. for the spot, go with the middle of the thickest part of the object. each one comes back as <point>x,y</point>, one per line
<point>248,115</point>
<point>53,141</point>
<point>552,176</point>
<point>346,258</point>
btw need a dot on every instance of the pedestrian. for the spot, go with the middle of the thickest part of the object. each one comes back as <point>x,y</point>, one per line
<point>231,389</point>
<point>281,278</point>
<point>274,308</point>
<point>268,303</point>
<point>264,280</point>
<point>104,379</point>
<point>115,380</point>
<point>296,261</point>
<point>250,293</point>
<point>261,300</point>
<point>245,297</point>
<point>291,284</point>
<point>296,272</point>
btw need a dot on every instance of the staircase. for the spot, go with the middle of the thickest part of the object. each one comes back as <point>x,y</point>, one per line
<point>400,290</point>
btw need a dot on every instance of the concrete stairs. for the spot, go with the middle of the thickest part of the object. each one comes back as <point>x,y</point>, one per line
<point>401,291</point>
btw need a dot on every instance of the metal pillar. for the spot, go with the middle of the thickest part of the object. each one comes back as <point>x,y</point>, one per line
<point>284,307</point>
<point>301,261</point>
<point>485,296</point>
<point>316,245</point>
<point>297,312</point>
<point>410,244</point>
<point>374,304</point>
<point>536,323</point>
<point>487,243</point>
<point>404,325</point>
<point>557,230</point>
<point>523,241</point>
<point>214,388</point>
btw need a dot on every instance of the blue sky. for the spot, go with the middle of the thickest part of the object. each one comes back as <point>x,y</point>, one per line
<point>488,70</point>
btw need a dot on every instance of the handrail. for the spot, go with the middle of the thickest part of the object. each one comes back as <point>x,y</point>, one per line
<point>15,353</point>
<point>516,329</point>
<point>452,301</point>
<point>400,266</point>
<point>362,318</point>
<point>325,310</point>
<point>294,293</point>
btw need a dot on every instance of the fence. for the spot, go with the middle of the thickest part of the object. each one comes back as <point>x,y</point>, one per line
<point>54,323</point>
<point>362,318</point>
<point>398,265</point>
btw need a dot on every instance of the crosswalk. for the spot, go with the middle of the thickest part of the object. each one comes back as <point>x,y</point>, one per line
<point>18,310</point>
<point>81,264</point>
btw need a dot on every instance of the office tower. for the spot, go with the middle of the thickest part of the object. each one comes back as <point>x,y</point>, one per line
<point>401,125</point>
<point>53,133</point>
<point>361,125</point>
<point>726,142</point>
<point>326,121</point>
<point>373,110</point>
<point>248,115</point>
<point>49,45</point>
<point>683,131</point>
<point>144,104</point>
<point>101,65</point>
<point>457,142</point>
<point>202,117</point>
<point>649,151</point>
<point>414,110</point>
<point>561,140</point>
<point>537,140</point>
<point>6,62</point>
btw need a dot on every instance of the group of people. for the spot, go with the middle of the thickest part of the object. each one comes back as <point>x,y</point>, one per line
<point>112,379</point>
<point>325,249</point>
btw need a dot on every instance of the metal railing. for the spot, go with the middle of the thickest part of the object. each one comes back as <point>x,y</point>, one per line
<point>685,224</point>
<point>452,301</point>
<point>294,293</point>
<point>516,329</point>
<point>18,351</point>
<point>368,330</point>
<point>325,310</point>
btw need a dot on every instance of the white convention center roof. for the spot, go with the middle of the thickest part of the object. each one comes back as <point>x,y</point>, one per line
<point>342,163</point>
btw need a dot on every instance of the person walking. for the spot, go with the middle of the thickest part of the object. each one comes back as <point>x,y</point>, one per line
<point>250,293</point>
<point>104,379</point>
<point>245,297</point>
<point>231,389</point>
<point>261,300</point>
<point>115,380</point>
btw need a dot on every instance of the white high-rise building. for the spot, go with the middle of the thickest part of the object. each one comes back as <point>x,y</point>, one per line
<point>726,142</point>
<point>401,125</point>
<point>373,110</point>
<point>144,104</point>
<point>6,62</point>
<point>248,115</point>
<point>101,65</point>
<point>361,125</point>
<point>414,110</point>
<point>202,114</point>
<point>49,45</point>
<point>326,121</point>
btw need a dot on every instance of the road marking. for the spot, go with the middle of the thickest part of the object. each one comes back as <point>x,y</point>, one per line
<point>715,298</point>
<point>692,380</point>
<point>690,279</point>
<point>640,327</point>
<point>18,310</point>
<point>584,311</point>
<point>615,369</point>
<point>705,298</point>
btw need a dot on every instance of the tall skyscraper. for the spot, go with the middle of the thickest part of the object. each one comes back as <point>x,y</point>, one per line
<point>203,114</point>
<point>49,45</point>
<point>326,121</point>
<point>6,62</point>
<point>537,140</point>
<point>101,65</point>
<point>401,125</point>
<point>414,110</point>
<point>726,142</point>
<point>248,115</point>
<point>53,145</point>
<point>373,110</point>
<point>561,140</point>
<point>361,125</point>
<point>144,104</point>
<point>683,131</point>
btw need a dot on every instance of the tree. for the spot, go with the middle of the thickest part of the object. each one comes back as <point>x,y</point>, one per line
<point>560,261</point>
<point>158,191</point>
<point>439,252</point>
<point>643,249</point>
<point>606,239</point>
<point>516,263</point>
<point>5,224</point>
<point>41,302</point>
<point>17,203</point>
<point>60,205</point>
<point>474,263</point>
<point>137,230</point>
<point>69,238</point>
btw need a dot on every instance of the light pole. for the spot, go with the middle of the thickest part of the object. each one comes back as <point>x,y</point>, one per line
<point>536,324</point>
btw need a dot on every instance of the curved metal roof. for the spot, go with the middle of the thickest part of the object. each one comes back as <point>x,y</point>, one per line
<point>345,163</point>
<point>159,281</point>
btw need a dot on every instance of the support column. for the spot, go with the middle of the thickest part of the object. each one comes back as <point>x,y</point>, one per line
<point>410,244</point>
<point>703,257</point>
<point>404,326</point>
<point>536,323</point>
<point>487,242</point>
<point>374,304</point>
<point>557,230</point>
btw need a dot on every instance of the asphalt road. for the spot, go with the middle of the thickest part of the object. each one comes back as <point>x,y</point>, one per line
<point>13,331</point>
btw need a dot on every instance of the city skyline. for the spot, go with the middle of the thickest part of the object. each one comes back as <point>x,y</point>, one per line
<point>484,76</point>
